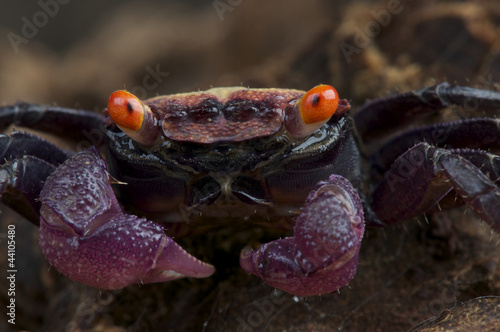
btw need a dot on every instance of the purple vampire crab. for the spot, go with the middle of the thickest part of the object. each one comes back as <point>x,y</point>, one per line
<point>223,157</point>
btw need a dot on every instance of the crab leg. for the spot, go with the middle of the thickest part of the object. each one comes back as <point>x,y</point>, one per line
<point>19,144</point>
<point>322,255</point>
<point>20,185</point>
<point>27,161</point>
<point>421,177</point>
<point>76,124</point>
<point>481,133</point>
<point>86,236</point>
<point>372,119</point>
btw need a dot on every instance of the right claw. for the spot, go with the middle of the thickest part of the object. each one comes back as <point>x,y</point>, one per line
<point>86,236</point>
<point>322,255</point>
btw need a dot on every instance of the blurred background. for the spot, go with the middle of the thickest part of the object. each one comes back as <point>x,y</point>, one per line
<point>75,53</point>
<point>79,52</point>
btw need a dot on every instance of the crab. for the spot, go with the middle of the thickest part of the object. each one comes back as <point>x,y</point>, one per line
<point>231,157</point>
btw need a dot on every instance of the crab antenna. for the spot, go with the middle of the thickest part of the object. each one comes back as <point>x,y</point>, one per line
<point>133,117</point>
<point>311,111</point>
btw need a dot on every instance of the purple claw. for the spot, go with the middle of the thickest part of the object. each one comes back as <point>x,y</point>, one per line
<point>322,255</point>
<point>86,236</point>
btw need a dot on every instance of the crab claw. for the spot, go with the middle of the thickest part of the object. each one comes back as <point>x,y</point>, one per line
<point>86,236</point>
<point>322,255</point>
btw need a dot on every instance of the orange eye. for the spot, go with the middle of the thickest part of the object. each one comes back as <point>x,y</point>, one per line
<point>313,110</point>
<point>133,117</point>
<point>126,110</point>
<point>319,104</point>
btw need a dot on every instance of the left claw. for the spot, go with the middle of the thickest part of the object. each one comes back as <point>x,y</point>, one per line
<point>86,236</point>
<point>322,255</point>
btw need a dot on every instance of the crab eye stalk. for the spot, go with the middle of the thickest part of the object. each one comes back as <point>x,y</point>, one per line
<point>311,111</point>
<point>133,117</point>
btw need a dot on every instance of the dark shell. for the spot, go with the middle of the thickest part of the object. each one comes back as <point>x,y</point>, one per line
<point>222,114</point>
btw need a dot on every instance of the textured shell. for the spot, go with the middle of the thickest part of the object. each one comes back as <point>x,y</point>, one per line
<point>222,114</point>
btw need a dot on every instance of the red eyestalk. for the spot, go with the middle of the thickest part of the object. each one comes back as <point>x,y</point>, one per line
<point>133,117</point>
